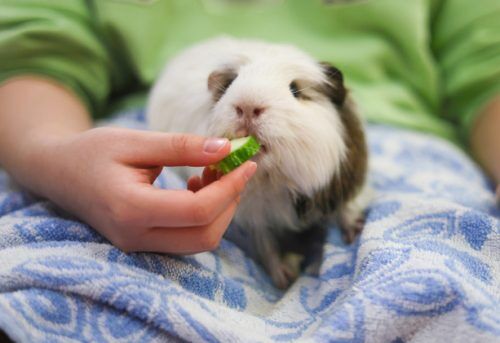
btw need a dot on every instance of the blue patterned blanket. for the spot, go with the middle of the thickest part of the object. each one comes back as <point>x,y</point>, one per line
<point>426,268</point>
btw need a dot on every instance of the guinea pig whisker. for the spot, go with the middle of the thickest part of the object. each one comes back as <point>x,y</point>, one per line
<point>300,90</point>
<point>220,87</point>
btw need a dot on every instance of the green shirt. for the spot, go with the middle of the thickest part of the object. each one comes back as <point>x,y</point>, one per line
<point>425,64</point>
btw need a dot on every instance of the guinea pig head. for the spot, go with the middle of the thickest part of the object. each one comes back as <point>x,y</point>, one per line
<point>293,106</point>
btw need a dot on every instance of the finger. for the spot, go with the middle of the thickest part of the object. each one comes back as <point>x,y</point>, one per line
<point>188,240</point>
<point>174,208</point>
<point>149,175</point>
<point>174,149</point>
<point>194,183</point>
<point>209,175</point>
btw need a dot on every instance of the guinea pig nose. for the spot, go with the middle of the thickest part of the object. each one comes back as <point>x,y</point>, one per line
<point>239,111</point>
<point>257,111</point>
<point>248,110</point>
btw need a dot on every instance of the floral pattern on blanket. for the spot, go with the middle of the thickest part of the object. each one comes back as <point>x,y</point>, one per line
<point>426,267</point>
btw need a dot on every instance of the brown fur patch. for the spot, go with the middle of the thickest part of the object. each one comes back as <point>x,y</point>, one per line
<point>349,180</point>
<point>335,90</point>
<point>219,81</point>
<point>353,169</point>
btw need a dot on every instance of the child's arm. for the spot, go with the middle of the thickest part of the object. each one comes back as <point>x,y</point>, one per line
<point>104,175</point>
<point>485,141</point>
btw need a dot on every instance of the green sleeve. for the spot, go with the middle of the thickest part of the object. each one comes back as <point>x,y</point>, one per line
<point>467,47</point>
<point>55,39</point>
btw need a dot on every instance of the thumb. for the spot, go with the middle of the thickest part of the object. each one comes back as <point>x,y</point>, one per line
<point>178,149</point>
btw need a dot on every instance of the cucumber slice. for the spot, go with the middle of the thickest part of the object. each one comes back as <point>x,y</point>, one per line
<point>242,149</point>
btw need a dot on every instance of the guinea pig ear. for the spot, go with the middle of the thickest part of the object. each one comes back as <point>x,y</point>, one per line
<point>219,81</point>
<point>334,89</point>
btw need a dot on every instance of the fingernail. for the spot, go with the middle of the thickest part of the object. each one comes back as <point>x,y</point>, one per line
<point>213,145</point>
<point>252,167</point>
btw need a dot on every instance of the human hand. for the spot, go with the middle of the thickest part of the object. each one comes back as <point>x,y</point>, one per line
<point>498,195</point>
<point>104,176</point>
<point>485,141</point>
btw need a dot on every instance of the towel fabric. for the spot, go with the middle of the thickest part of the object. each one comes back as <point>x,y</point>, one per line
<point>425,269</point>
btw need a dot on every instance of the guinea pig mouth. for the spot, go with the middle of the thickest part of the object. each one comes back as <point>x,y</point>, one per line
<point>249,132</point>
<point>258,156</point>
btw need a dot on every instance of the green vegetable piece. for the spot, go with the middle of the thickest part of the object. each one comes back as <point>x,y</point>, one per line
<point>242,149</point>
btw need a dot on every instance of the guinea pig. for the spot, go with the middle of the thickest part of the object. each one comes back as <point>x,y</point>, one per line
<point>313,160</point>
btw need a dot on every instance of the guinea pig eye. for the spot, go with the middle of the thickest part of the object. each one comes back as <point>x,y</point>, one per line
<point>294,89</point>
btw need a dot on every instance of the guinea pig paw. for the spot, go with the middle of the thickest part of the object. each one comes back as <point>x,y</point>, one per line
<point>287,271</point>
<point>314,268</point>
<point>351,230</point>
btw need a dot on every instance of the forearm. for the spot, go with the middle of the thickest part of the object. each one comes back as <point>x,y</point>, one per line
<point>34,114</point>
<point>485,139</point>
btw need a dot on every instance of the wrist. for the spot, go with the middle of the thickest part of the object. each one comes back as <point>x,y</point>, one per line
<point>34,162</point>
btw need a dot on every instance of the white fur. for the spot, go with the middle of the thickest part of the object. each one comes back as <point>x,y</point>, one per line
<point>304,139</point>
